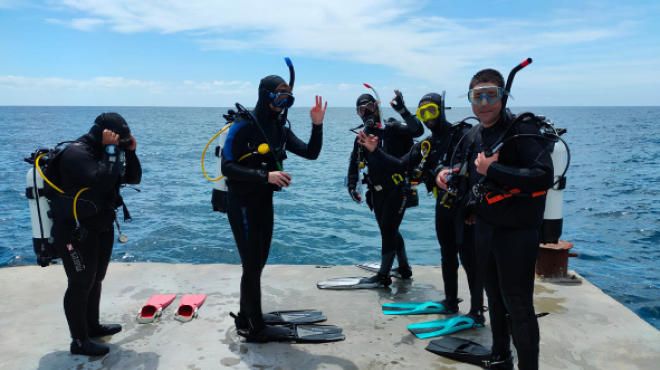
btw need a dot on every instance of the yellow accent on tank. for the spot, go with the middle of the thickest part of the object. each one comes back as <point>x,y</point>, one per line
<point>207,146</point>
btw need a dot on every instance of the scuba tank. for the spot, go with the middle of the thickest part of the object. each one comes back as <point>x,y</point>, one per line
<point>219,196</point>
<point>41,222</point>
<point>39,202</point>
<point>553,221</point>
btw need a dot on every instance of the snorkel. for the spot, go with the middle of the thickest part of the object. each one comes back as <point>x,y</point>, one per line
<point>292,72</point>
<point>380,110</point>
<point>509,80</point>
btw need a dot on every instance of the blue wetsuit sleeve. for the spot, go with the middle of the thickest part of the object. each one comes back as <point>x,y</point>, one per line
<point>310,150</point>
<point>536,173</point>
<point>235,143</point>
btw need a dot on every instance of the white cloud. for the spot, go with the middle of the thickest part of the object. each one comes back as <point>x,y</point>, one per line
<point>348,87</point>
<point>381,32</point>
<point>8,4</point>
<point>223,83</point>
<point>82,24</point>
<point>307,87</point>
<point>56,83</point>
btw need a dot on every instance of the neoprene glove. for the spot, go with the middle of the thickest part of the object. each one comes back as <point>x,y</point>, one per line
<point>399,106</point>
<point>354,194</point>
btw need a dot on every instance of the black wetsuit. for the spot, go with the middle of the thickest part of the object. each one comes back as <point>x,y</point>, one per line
<point>443,140</point>
<point>86,165</point>
<point>250,196</point>
<point>506,254</point>
<point>384,196</point>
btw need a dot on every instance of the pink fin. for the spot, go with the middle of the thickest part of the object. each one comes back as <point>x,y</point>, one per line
<point>156,302</point>
<point>188,304</point>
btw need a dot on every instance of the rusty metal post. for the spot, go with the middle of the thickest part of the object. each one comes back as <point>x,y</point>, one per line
<point>552,260</point>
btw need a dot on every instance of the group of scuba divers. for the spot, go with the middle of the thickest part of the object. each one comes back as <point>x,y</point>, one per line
<point>490,181</point>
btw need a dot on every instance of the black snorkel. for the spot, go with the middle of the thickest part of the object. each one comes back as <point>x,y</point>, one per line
<point>292,72</point>
<point>509,81</point>
<point>292,79</point>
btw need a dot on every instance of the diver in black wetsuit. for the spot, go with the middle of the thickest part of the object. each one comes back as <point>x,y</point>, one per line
<point>507,220</point>
<point>385,193</point>
<point>423,163</point>
<point>100,160</point>
<point>251,181</point>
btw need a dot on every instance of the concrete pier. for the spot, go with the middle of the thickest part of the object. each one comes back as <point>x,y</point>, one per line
<point>586,329</point>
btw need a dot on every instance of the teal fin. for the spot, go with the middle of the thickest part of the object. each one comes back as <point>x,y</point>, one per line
<point>437,328</point>
<point>419,308</point>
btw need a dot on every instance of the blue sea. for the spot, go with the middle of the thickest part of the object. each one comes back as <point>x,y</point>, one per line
<point>611,209</point>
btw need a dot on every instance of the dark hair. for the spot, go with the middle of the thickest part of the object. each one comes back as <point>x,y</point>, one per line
<point>487,75</point>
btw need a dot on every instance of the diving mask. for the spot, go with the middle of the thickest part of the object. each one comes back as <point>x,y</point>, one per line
<point>491,93</point>
<point>428,112</point>
<point>282,99</point>
<point>362,109</point>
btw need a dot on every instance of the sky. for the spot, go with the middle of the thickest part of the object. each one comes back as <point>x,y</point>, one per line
<point>213,53</point>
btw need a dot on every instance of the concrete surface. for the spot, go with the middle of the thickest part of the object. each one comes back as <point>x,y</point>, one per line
<point>586,329</point>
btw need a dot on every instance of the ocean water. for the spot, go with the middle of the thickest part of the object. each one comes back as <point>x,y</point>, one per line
<point>611,209</point>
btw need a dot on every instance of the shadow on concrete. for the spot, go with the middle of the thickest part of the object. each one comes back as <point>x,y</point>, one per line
<point>118,358</point>
<point>279,355</point>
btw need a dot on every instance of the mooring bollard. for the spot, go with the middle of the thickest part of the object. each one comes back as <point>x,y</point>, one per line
<point>552,260</point>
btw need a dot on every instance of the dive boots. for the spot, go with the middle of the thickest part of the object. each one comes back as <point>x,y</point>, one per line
<point>103,330</point>
<point>378,281</point>
<point>405,272</point>
<point>88,347</point>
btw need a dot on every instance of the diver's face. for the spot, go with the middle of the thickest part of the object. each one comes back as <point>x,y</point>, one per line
<point>430,124</point>
<point>276,109</point>
<point>487,113</point>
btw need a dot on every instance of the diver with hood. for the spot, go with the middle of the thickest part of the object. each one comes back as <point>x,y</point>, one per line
<point>501,190</point>
<point>423,163</point>
<point>252,177</point>
<point>386,188</point>
<point>90,172</point>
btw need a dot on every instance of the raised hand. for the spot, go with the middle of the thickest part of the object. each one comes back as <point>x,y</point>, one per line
<point>317,113</point>
<point>370,142</point>
<point>398,104</point>
<point>110,138</point>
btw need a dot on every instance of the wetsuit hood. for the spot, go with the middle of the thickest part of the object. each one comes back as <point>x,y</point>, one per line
<point>442,126</point>
<point>266,86</point>
<point>105,121</point>
<point>366,99</point>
